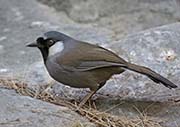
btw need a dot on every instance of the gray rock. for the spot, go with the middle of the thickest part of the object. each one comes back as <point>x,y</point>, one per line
<point>120,16</point>
<point>20,24</point>
<point>157,48</point>
<point>24,111</point>
<point>167,113</point>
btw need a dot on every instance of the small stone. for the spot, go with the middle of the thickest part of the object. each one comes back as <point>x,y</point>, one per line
<point>3,38</point>
<point>3,70</point>
<point>168,55</point>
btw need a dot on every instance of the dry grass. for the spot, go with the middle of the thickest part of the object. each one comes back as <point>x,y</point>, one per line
<point>101,119</point>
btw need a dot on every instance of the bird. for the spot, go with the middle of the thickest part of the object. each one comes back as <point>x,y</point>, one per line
<point>80,64</point>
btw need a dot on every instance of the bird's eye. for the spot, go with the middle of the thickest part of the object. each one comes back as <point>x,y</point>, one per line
<point>51,42</point>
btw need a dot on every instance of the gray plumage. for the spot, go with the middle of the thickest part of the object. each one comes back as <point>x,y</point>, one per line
<point>83,65</point>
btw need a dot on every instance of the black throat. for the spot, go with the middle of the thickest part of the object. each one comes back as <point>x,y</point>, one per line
<point>45,53</point>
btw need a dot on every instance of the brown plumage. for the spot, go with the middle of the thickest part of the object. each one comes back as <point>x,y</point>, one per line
<point>83,65</point>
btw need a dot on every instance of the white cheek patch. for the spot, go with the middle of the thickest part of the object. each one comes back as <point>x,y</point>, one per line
<point>56,48</point>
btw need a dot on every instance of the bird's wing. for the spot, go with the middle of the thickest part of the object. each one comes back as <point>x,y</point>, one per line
<point>84,57</point>
<point>91,65</point>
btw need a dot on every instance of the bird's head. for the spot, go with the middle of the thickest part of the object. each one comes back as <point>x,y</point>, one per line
<point>42,43</point>
<point>51,44</point>
<point>51,38</point>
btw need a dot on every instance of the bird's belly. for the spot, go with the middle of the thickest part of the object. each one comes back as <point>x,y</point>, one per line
<point>81,79</point>
<point>70,78</point>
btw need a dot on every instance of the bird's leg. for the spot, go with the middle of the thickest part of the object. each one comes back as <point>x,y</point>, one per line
<point>88,96</point>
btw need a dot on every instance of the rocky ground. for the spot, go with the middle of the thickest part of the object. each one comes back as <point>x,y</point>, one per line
<point>133,29</point>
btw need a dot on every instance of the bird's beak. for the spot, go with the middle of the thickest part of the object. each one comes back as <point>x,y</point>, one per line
<point>34,44</point>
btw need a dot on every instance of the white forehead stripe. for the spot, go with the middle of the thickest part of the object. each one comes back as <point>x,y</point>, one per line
<point>56,48</point>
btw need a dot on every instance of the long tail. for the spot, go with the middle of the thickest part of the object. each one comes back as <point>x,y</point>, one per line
<point>151,74</point>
